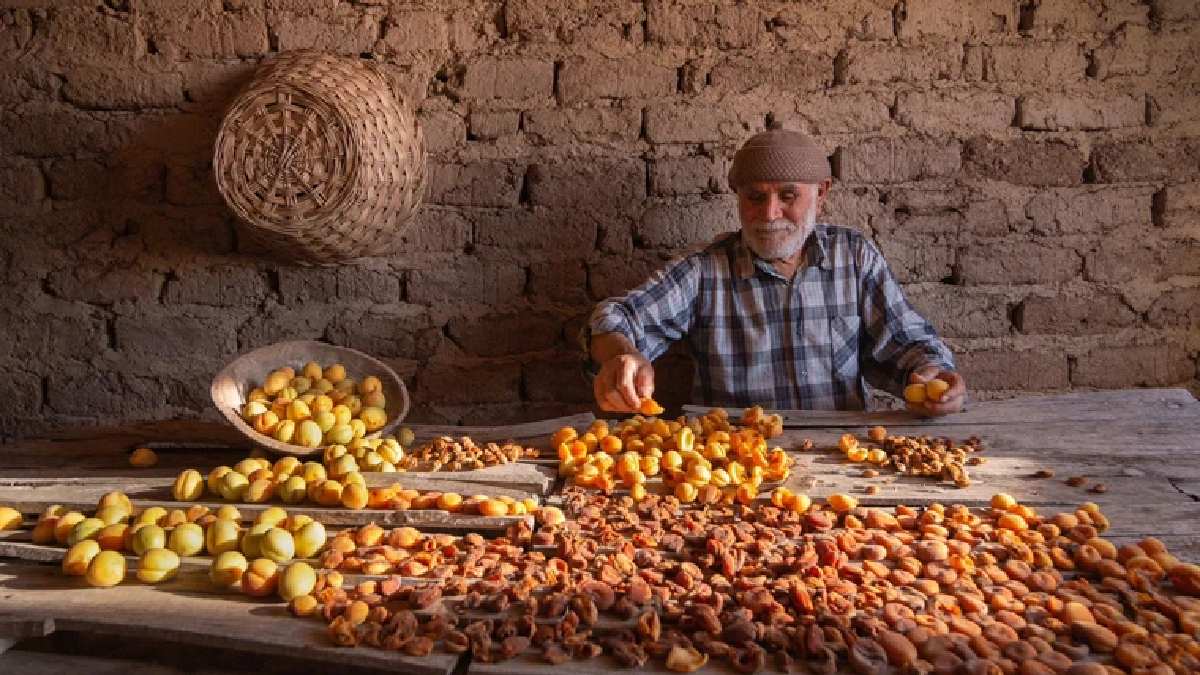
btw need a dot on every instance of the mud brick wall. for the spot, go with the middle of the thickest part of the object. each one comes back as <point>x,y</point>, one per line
<point>1031,169</point>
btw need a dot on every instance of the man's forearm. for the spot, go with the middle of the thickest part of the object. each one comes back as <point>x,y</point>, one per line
<point>606,346</point>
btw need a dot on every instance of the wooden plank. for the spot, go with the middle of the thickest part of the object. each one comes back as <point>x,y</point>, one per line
<point>1098,406</point>
<point>46,663</point>
<point>226,622</point>
<point>529,431</point>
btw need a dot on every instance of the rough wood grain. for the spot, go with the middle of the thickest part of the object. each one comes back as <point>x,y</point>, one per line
<point>37,592</point>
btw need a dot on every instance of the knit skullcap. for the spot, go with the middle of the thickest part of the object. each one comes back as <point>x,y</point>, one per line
<point>779,156</point>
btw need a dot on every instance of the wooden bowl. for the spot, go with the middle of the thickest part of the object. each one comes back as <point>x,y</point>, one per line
<point>250,370</point>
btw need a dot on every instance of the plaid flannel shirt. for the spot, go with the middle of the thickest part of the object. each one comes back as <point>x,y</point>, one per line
<point>760,338</point>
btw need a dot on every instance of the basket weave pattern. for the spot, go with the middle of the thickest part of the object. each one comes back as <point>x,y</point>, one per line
<point>321,159</point>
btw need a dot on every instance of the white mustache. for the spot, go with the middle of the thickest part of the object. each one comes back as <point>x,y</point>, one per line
<point>776,226</point>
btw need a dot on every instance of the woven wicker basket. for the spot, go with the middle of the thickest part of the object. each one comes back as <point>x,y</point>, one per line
<point>321,159</point>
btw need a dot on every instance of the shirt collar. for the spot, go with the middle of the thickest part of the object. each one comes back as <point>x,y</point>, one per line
<point>745,262</point>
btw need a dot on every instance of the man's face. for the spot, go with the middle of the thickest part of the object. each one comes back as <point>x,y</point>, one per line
<point>778,217</point>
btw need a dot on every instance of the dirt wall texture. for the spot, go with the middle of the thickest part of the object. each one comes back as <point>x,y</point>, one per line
<point>1031,169</point>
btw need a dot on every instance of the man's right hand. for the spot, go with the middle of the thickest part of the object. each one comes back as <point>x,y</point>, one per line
<point>622,383</point>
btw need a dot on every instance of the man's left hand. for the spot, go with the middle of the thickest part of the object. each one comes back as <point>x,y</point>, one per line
<point>952,399</point>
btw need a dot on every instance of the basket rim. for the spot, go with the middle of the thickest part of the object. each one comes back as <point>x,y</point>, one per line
<point>267,443</point>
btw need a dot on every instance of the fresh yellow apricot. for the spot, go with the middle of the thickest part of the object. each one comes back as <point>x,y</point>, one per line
<point>309,539</point>
<point>223,535</point>
<point>229,512</point>
<point>293,491</point>
<point>308,434</point>
<point>251,545</point>
<point>143,457</point>
<point>151,516</point>
<point>147,537</point>
<point>118,498</point>
<point>342,466</point>
<point>188,487</point>
<point>272,515</point>
<point>112,537</point>
<point>335,373</point>
<point>227,569</point>
<point>275,382</point>
<point>79,556</point>
<point>1003,502</point>
<point>358,428</point>
<point>253,409</point>
<point>186,539</point>
<point>257,394</point>
<point>278,545</point>
<point>106,569</point>
<point>301,384</point>
<point>233,486</point>
<point>286,466</point>
<point>369,384</point>
<point>87,528</point>
<point>157,564</point>
<point>354,496</point>
<point>43,531</point>
<point>173,518</point>
<point>284,431</point>
<point>321,404</point>
<point>493,507</point>
<point>841,502</point>
<point>915,393</point>
<point>299,579</point>
<point>259,491</point>
<point>328,493</point>
<point>260,578</point>
<point>66,523</point>
<point>247,466</point>
<point>112,514</point>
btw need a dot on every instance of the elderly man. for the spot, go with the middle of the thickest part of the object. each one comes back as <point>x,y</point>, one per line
<point>787,313</point>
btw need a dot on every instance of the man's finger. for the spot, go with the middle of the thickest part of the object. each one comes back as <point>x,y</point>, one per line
<point>625,383</point>
<point>644,380</point>
<point>922,374</point>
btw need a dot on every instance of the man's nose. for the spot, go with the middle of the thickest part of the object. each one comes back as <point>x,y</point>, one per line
<point>774,208</point>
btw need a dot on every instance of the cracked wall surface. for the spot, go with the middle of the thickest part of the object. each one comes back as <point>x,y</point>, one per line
<point>1030,169</point>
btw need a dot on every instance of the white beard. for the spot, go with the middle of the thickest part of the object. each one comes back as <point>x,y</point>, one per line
<point>781,239</point>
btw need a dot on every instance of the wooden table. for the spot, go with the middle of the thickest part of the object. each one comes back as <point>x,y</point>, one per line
<point>1143,445</point>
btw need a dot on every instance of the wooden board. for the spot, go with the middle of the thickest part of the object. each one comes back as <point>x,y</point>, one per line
<point>1099,406</point>
<point>221,622</point>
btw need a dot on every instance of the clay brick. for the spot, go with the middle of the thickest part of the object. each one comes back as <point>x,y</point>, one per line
<point>405,32</point>
<point>1058,112</point>
<point>1180,257</point>
<point>1175,109</point>
<point>1046,62</point>
<point>557,378</point>
<point>678,225</point>
<point>452,383</point>
<point>553,230</point>
<point>104,285</point>
<point>1117,260</point>
<point>1084,16</point>
<point>802,25</point>
<point>50,131</point>
<point>72,179</point>
<point>590,79</point>
<point>192,184</point>
<point>299,285</point>
<point>493,125</point>
<point>371,283</point>
<point>1177,308</point>
<point>702,25</point>
<point>29,83</point>
<point>606,126</point>
<point>406,332</point>
<point>1180,205</point>
<point>103,393</point>
<point>1089,210</point>
<point>21,184</point>
<point>986,218</point>
<point>790,73</point>
<point>22,396</point>
<point>176,336</point>
<point>123,88</point>
<point>53,338</point>
<point>1073,314</point>
<point>962,112</point>
<point>508,79</point>
<point>200,34</point>
<point>615,275</point>
<point>1124,52</point>
<point>607,26</point>
<point>958,18</point>
<point>443,130</point>
<point>670,177</point>
<point>692,124</point>
<point>1018,262</point>
<point>869,64</point>
<point>896,160</point>
<point>1024,161</point>
<point>434,228</point>
<point>957,312</point>
<point>506,333</point>
<point>220,286</point>
<point>279,323</point>
<point>74,35</point>
<point>1124,161</point>
<point>820,114</point>
<point>467,281</point>
<point>560,281</point>
<point>483,183</point>
<point>1034,369</point>
<point>1175,10</point>
<point>1136,366</point>
<point>598,182</point>
<point>348,32</point>
<point>914,257</point>
<point>856,207</point>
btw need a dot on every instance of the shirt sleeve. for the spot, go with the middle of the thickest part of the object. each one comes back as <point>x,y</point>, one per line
<point>897,339</point>
<point>655,314</point>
